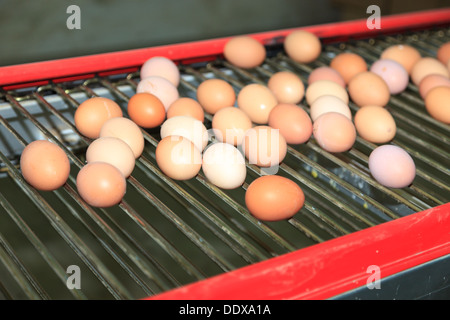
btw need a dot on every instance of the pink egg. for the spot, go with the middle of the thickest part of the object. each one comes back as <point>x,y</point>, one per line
<point>161,67</point>
<point>392,166</point>
<point>393,73</point>
<point>160,87</point>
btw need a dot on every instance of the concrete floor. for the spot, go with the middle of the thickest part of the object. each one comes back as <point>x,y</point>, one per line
<point>37,30</point>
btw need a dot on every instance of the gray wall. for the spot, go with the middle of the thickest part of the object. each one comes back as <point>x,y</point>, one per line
<point>33,30</point>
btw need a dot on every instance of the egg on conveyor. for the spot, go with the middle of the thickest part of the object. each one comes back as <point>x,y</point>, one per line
<point>44,165</point>
<point>92,113</point>
<point>178,158</point>
<point>101,184</point>
<point>187,127</point>
<point>224,165</point>
<point>274,198</point>
<point>392,166</point>
<point>114,151</point>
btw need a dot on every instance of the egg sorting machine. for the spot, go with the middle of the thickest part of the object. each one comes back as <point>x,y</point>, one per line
<point>192,240</point>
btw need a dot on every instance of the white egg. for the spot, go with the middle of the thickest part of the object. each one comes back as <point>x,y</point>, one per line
<point>187,127</point>
<point>224,165</point>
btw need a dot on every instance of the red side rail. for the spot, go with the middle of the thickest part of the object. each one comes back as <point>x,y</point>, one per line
<point>333,267</point>
<point>26,74</point>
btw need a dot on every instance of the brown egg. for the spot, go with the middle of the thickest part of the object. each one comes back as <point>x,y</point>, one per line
<point>368,88</point>
<point>101,184</point>
<point>215,94</point>
<point>257,100</point>
<point>287,87</point>
<point>274,198</point>
<point>404,54</point>
<point>432,81</point>
<point>293,122</point>
<point>375,124</point>
<point>443,53</point>
<point>230,125</point>
<point>186,106</point>
<point>325,87</point>
<point>326,73</point>
<point>264,146</point>
<point>437,104</point>
<point>334,132</point>
<point>146,110</point>
<point>126,130</point>
<point>426,66</point>
<point>244,52</point>
<point>348,65</point>
<point>302,46</point>
<point>44,165</point>
<point>92,113</point>
<point>178,158</point>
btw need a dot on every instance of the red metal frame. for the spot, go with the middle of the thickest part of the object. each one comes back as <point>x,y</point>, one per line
<point>332,267</point>
<point>317,272</point>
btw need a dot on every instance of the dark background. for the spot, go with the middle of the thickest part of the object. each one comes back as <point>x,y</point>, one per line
<point>34,30</point>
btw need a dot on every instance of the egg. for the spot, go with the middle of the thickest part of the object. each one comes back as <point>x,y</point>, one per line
<point>178,158</point>
<point>257,100</point>
<point>187,127</point>
<point>348,65</point>
<point>326,73</point>
<point>146,110</point>
<point>44,165</point>
<point>432,81</point>
<point>185,106</point>
<point>334,132</point>
<point>92,113</point>
<point>162,88</point>
<point>244,52</point>
<point>329,103</point>
<point>392,166</point>
<point>443,53</point>
<point>101,184</point>
<point>287,87</point>
<point>426,66</point>
<point>274,198</point>
<point>437,103</point>
<point>292,121</point>
<point>393,73</point>
<point>368,88</point>
<point>404,54</point>
<point>126,130</point>
<point>215,94</point>
<point>375,124</point>
<point>302,46</point>
<point>230,125</point>
<point>161,67</point>
<point>325,87</point>
<point>114,151</point>
<point>264,146</point>
<point>224,165</point>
